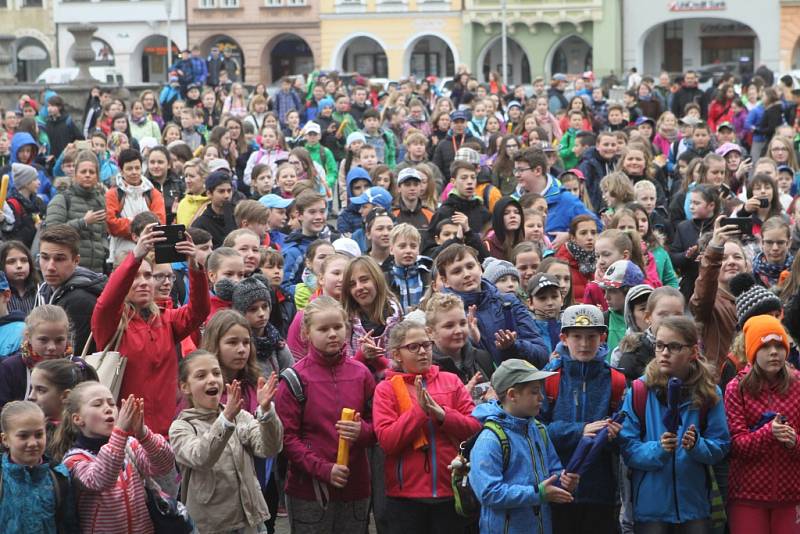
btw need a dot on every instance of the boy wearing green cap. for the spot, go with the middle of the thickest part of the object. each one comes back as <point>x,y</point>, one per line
<point>515,498</point>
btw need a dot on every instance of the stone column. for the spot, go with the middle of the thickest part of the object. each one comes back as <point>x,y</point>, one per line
<point>6,59</point>
<point>82,53</point>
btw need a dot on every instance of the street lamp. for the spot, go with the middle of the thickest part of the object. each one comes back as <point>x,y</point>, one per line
<point>504,39</point>
<point>168,9</point>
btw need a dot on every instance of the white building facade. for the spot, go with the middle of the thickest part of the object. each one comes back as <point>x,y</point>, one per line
<point>131,35</point>
<point>678,35</point>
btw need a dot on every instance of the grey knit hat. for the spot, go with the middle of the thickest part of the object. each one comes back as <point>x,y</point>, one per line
<point>752,298</point>
<point>494,269</point>
<point>23,174</point>
<point>245,293</point>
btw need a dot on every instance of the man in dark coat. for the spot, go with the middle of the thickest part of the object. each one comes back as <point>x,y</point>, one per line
<point>689,93</point>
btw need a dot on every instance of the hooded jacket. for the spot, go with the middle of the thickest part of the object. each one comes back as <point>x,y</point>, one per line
<point>562,207</point>
<point>422,473</point>
<point>115,199</point>
<point>20,140</point>
<point>310,439</point>
<point>636,349</point>
<point>12,325</point>
<point>78,296</point>
<point>498,311</point>
<point>31,489</point>
<point>672,487</point>
<point>149,344</point>
<point>595,168</point>
<point>294,251</point>
<point>510,498</point>
<point>216,458</point>
<point>762,469</point>
<point>69,207</point>
<point>350,218</point>
<point>188,208</point>
<point>584,397</point>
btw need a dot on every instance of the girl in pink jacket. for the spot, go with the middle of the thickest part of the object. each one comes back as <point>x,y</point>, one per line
<point>323,496</point>
<point>108,450</point>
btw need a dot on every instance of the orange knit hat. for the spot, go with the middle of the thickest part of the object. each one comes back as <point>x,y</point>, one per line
<point>761,329</point>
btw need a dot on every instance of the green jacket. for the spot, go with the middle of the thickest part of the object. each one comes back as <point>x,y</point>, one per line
<point>565,149</point>
<point>664,267</point>
<point>349,122</point>
<point>69,208</point>
<point>325,159</point>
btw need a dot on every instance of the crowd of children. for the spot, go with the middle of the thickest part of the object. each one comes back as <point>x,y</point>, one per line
<point>400,311</point>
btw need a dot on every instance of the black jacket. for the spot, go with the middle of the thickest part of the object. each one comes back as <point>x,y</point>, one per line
<point>78,297</point>
<point>219,226</point>
<point>594,169</point>
<point>473,360</point>
<point>173,190</point>
<point>686,235</point>
<point>445,151</point>
<point>687,95</point>
<point>477,215</point>
<point>61,131</point>
<point>214,66</point>
<point>24,209</point>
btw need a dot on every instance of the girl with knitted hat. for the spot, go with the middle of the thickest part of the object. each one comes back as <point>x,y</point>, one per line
<point>763,408</point>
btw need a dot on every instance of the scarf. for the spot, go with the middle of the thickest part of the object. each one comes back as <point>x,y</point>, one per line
<point>31,358</point>
<point>585,258</point>
<point>409,285</point>
<point>670,135</point>
<point>92,445</point>
<point>771,271</point>
<point>268,345</point>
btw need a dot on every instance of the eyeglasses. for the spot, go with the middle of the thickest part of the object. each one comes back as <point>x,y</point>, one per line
<point>414,347</point>
<point>520,170</point>
<point>672,348</point>
<point>161,277</point>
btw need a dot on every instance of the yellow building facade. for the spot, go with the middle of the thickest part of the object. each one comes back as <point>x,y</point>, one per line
<point>391,39</point>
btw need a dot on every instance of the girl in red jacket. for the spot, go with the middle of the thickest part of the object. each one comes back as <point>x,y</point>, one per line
<point>578,251</point>
<point>323,496</point>
<point>421,414</point>
<point>150,335</point>
<point>763,409</point>
<point>107,451</point>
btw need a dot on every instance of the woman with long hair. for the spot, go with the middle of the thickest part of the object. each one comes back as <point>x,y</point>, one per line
<point>235,104</point>
<point>721,109</point>
<point>503,169</point>
<point>508,228</point>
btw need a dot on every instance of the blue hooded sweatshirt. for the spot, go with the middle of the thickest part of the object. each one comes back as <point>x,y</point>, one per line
<point>20,140</point>
<point>294,251</point>
<point>350,218</point>
<point>584,396</point>
<point>499,311</point>
<point>510,499</point>
<point>562,207</point>
<point>672,487</point>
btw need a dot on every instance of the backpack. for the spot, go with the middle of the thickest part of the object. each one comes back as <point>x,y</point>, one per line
<point>61,487</point>
<point>466,502</point>
<point>618,385</point>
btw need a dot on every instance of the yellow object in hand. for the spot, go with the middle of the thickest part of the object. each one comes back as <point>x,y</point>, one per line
<point>3,190</point>
<point>343,454</point>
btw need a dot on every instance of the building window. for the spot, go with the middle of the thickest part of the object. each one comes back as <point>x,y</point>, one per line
<point>273,3</point>
<point>32,3</point>
<point>229,3</point>
<point>350,2</point>
<point>207,4</point>
<point>296,3</point>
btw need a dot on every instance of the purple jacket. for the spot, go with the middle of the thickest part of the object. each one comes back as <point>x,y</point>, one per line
<point>310,440</point>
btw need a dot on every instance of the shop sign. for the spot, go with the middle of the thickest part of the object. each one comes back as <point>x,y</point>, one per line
<point>697,5</point>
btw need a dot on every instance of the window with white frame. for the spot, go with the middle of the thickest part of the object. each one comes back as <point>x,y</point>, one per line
<point>206,4</point>
<point>229,3</point>
<point>273,3</point>
<point>295,3</point>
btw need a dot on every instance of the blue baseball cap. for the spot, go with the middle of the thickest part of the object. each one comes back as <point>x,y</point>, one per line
<point>459,115</point>
<point>275,201</point>
<point>374,195</point>
<point>4,282</point>
<point>622,273</point>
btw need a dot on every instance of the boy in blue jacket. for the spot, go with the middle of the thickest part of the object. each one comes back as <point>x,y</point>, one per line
<point>515,498</point>
<point>506,326</point>
<point>578,402</point>
<point>12,324</point>
<point>350,218</point>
